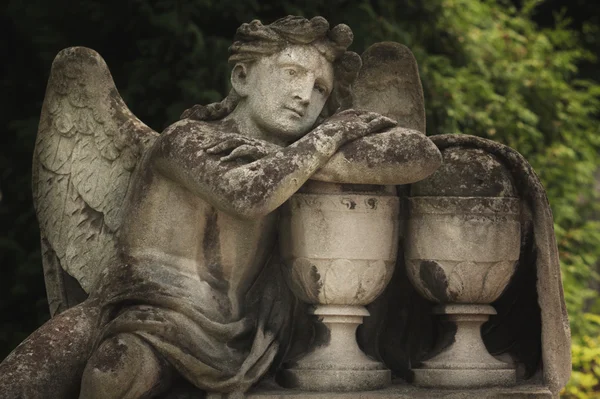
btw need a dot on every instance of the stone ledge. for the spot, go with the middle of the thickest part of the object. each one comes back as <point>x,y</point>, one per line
<point>410,392</point>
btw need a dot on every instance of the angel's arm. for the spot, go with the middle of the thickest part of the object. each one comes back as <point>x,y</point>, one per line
<point>388,83</point>
<point>397,156</point>
<point>253,189</point>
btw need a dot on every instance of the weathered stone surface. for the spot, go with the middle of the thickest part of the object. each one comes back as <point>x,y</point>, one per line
<point>396,156</point>
<point>335,363</point>
<point>389,83</point>
<point>462,249</point>
<point>531,311</point>
<point>339,251</point>
<point>411,392</point>
<point>460,360</point>
<point>86,149</point>
<point>467,172</point>
<point>49,363</point>
<point>530,329</point>
<point>397,390</point>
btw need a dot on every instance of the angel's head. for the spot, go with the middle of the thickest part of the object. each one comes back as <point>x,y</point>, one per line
<point>283,75</point>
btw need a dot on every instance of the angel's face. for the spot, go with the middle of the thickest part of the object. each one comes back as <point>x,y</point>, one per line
<point>287,91</point>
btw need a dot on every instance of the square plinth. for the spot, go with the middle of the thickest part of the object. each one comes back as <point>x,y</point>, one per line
<point>411,392</point>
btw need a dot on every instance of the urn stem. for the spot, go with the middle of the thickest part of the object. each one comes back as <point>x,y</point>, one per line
<point>335,362</point>
<point>463,361</point>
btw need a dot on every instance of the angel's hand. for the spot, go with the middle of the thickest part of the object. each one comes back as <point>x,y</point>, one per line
<point>354,124</point>
<point>240,147</point>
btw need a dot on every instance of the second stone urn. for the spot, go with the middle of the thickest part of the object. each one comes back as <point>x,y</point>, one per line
<point>339,245</point>
<point>462,245</point>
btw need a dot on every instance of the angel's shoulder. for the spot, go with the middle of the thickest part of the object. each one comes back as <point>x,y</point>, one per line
<point>188,131</point>
<point>192,127</point>
<point>188,136</point>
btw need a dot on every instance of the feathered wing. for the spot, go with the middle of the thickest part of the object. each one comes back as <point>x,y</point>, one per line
<point>389,83</point>
<point>87,147</point>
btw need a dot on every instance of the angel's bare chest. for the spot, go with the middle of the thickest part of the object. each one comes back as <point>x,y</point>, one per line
<point>171,225</point>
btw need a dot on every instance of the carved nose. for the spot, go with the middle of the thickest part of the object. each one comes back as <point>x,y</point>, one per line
<point>303,101</point>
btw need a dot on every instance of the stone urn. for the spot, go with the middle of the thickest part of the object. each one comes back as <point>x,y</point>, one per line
<point>462,245</point>
<point>339,246</point>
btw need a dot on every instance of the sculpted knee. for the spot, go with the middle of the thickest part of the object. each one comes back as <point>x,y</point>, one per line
<point>123,366</point>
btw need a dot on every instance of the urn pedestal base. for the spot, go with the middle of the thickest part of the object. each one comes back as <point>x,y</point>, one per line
<point>463,361</point>
<point>336,363</point>
<point>405,391</point>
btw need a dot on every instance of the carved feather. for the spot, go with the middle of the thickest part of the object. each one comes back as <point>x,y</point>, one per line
<point>87,148</point>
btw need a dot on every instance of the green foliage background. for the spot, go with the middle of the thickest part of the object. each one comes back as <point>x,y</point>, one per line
<point>515,72</point>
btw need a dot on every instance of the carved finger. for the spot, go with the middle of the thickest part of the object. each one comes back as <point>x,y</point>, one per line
<point>350,111</point>
<point>224,146</point>
<point>380,123</point>
<point>244,151</point>
<point>208,144</point>
<point>368,117</point>
<point>233,140</point>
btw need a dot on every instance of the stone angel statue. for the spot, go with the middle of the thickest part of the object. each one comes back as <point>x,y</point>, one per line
<point>159,250</point>
<point>161,253</point>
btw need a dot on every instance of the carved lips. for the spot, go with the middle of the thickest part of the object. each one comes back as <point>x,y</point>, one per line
<point>296,110</point>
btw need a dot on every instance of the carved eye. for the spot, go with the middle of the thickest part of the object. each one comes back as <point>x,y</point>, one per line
<point>320,89</point>
<point>291,72</point>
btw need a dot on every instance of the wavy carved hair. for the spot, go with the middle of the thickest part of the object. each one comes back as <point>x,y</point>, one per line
<point>254,40</point>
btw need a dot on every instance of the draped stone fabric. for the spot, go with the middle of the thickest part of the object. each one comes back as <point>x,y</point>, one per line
<point>163,306</point>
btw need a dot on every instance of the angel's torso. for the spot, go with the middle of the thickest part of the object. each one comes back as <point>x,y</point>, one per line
<point>169,226</point>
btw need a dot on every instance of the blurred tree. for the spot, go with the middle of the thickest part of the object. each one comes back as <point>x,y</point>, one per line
<point>487,69</point>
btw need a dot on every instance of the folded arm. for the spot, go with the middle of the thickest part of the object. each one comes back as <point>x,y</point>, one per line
<point>254,189</point>
<point>397,156</point>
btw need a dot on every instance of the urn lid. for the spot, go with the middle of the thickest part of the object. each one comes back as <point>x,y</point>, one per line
<point>467,172</point>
